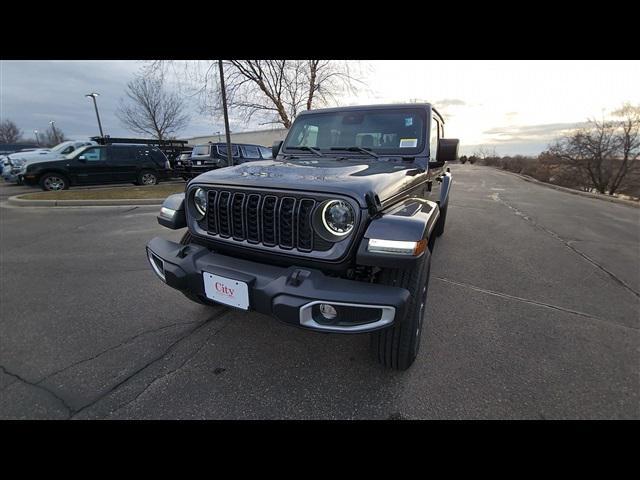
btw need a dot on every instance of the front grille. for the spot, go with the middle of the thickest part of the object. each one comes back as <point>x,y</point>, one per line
<point>270,220</point>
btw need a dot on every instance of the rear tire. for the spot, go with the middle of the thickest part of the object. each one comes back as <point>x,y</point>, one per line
<point>186,240</point>
<point>396,347</point>
<point>53,182</point>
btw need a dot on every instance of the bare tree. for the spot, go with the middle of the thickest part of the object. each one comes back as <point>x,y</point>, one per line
<point>282,88</point>
<point>151,109</point>
<point>275,90</point>
<point>53,136</point>
<point>604,151</point>
<point>9,132</point>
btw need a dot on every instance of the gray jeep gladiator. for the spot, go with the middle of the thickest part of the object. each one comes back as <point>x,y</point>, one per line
<point>334,234</point>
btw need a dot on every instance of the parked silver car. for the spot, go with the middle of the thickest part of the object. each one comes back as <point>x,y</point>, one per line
<point>15,164</point>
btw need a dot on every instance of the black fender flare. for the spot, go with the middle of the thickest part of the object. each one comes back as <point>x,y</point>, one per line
<point>413,220</point>
<point>447,180</point>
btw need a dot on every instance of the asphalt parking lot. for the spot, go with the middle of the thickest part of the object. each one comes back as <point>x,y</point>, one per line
<point>533,312</point>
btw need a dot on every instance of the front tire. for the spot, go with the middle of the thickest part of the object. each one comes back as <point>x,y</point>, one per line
<point>396,347</point>
<point>53,182</point>
<point>147,177</point>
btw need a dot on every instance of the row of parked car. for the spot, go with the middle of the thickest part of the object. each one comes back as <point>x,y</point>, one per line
<point>91,163</point>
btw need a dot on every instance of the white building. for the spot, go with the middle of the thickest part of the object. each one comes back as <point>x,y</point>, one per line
<point>257,137</point>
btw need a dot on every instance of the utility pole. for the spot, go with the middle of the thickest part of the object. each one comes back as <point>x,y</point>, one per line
<point>226,115</point>
<point>93,95</point>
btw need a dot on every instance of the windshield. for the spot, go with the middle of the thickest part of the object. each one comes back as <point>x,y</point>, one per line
<point>398,131</point>
<point>77,151</point>
<point>61,146</point>
<point>201,150</point>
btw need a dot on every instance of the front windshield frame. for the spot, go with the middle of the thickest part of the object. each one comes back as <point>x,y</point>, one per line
<point>410,114</point>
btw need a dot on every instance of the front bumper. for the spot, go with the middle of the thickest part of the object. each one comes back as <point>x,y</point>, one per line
<point>290,294</point>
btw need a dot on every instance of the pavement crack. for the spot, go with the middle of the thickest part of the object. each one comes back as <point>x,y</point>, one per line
<point>203,324</point>
<point>40,387</point>
<point>533,302</point>
<point>171,372</point>
<point>107,350</point>
<point>496,196</point>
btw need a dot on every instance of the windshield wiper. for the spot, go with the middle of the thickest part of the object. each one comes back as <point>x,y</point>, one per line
<point>307,149</point>
<point>357,149</point>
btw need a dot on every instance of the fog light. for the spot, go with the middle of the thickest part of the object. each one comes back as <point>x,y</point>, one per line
<point>328,311</point>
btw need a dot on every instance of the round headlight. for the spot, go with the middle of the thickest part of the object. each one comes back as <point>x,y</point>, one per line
<point>338,217</point>
<point>200,202</point>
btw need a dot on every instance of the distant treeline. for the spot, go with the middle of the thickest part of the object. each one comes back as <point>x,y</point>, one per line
<point>549,168</point>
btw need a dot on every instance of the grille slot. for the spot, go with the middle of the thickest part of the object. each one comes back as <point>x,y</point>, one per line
<point>237,214</point>
<point>305,232</point>
<point>253,218</point>
<point>212,221</point>
<point>224,214</point>
<point>286,221</point>
<point>270,220</point>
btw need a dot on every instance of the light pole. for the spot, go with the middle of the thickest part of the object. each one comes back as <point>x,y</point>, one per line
<point>93,95</point>
<point>53,130</point>
<point>37,139</point>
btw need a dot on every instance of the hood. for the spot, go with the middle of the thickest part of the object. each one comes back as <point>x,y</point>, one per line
<point>39,155</point>
<point>352,177</point>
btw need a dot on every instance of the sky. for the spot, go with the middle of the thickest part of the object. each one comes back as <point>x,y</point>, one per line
<point>516,107</point>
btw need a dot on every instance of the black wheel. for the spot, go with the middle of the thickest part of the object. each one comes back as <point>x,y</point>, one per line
<point>53,182</point>
<point>396,347</point>
<point>186,239</point>
<point>147,177</point>
<point>439,228</point>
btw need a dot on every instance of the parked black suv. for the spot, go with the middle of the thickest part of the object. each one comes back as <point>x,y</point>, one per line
<point>335,234</point>
<point>210,156</point>
<point>119,163</point>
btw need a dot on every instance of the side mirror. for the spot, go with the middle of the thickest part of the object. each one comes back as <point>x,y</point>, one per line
<point>82,158</point>
<point>447,151</point>
<point>275,148</point>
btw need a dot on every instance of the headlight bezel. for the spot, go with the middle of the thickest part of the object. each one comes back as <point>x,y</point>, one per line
<point>324,229</point>
<point>198,212</point>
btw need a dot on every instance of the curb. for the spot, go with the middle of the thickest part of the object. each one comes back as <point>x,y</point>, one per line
<point>21,202</point>
<point>606,198</point>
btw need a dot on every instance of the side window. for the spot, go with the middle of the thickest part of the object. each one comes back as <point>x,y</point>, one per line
<point>96,154</point>
<point>266,152</point>
<point>249,151</point>
<point>433,142</point>
<point>122,155</point>
<point>68,150</point>
<point>222,150</point>
<point>158,156</point>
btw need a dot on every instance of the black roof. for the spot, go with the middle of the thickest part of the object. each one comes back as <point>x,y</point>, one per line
<point>232,143</point>
<point>107,140</point>
<point>380,106</point>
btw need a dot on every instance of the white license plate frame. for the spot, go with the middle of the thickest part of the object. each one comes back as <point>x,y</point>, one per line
<point>225,290</point>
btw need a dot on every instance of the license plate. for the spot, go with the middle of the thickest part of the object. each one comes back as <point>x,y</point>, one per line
<point>226,290</point>
<point>178,163</point>
<point>198,163</point>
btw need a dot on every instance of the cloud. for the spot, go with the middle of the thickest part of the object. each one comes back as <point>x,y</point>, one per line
<point>450,102</point>
<point>524,133</point>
